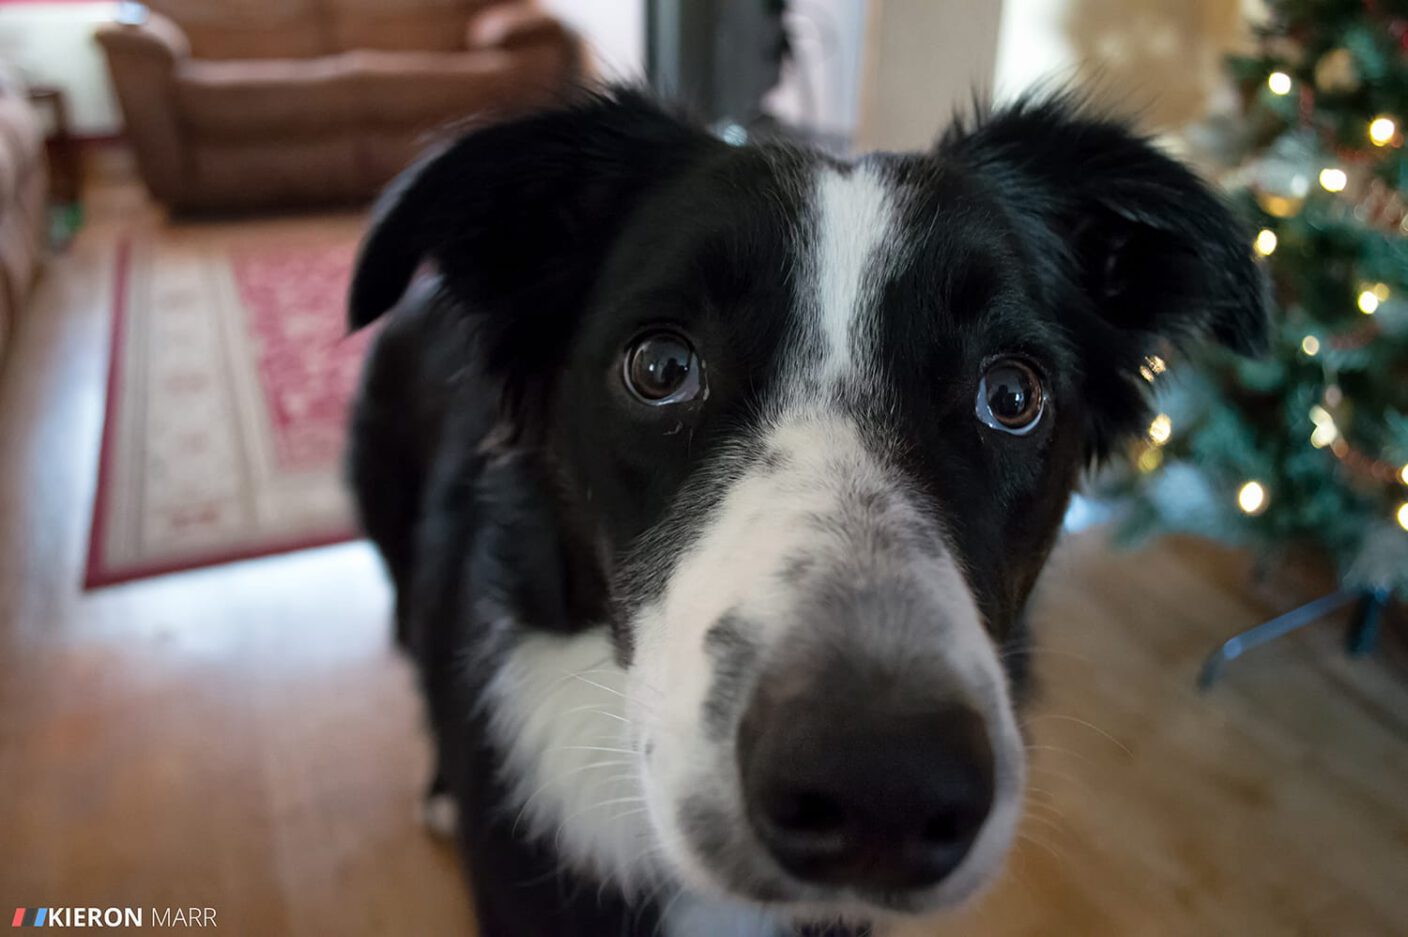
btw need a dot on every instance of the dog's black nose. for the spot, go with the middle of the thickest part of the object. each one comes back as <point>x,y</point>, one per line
<point>844,792</point>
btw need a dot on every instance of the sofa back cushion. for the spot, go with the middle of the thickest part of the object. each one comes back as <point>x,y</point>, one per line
<point>398,25</point>
<point>295,29</point>
<point>249,29</point>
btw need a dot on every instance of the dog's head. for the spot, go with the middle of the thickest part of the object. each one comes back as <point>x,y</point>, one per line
<point>820,422</point>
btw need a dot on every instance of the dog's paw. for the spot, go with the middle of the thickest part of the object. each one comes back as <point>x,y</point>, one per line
<point>440,815</point>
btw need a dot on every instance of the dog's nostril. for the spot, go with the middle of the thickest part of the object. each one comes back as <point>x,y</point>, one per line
<point>807,812</point>
<point>951,826</point>
<point>944,828</point>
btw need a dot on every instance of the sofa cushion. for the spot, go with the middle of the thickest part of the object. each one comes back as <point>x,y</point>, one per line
<point>435,30</point>
<point>432,89</point>
<point>286,97</point>
<point>428,88</point>
<point>249,29</point>
<point>399,25</point>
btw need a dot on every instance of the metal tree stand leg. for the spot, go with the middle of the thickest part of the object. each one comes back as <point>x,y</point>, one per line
<point>1365,628</point>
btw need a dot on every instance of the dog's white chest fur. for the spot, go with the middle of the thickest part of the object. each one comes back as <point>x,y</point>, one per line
<point>557,712</point>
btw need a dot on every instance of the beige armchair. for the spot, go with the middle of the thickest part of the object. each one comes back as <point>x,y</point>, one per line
<point>274,103</point>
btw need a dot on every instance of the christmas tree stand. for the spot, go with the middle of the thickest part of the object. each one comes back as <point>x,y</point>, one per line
<point>1363,628</point>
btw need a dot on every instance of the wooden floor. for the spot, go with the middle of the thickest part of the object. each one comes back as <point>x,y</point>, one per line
<point>244,738</point>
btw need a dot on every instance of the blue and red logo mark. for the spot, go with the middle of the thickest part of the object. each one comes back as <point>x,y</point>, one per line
<point>112,917</point>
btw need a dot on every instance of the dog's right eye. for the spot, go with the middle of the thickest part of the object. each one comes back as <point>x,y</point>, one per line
<point>661,368</point>
<point>1011,397</point>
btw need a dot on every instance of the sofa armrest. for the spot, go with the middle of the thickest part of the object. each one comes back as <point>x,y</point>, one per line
<point>515,25</point>
<point>143,61</point>
<point>158,38</point>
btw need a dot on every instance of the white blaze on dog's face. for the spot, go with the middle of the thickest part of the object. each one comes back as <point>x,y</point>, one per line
<point>819,582</point>
<point>818,423</point>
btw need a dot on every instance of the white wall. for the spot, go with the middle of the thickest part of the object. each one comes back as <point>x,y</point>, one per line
<point>820,88</point>
<point>52,43</point>
<point>614,29</point>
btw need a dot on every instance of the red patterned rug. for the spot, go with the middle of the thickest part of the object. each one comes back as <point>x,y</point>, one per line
<point>230,379</point>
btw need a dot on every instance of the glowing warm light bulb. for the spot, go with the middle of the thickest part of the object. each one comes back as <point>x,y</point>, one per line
<point>1382,130</point>
<point>1403,515</point>
<point>1161,430</point>
<point>1403,475</point>
<point>1252,498</point>
<point>1381,290</point>
<point>1152,367</point>
<point>1333,179</point>
<point>1368,302</point>
<point>1279,83</point>
<point>1266,242</point>
<point>1326,432</point>
<point>1150,459</point>
<point>1310,345</point>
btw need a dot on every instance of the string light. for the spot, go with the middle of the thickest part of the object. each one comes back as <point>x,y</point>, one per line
<point>1279,83</point>
<point>1150,459</point>
<point>1266,242</point>
<point>1326,432</point>
<point>1333,179</point>
<point>1310,345</point>
<point>1382,130</point>
<point>1403,475</point>
<point>1381,290</point>
<point>1403,515</point>
<point>1161,430</point>
<point>1252,498</point>
<point>1368,302</point>
<point>1152,367</point>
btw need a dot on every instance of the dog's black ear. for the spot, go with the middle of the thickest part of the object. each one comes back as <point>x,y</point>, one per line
<point>517,216</point>
<point>1137,249</point>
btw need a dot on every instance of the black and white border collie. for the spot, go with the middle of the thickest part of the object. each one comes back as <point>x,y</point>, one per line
<point>714,481</point>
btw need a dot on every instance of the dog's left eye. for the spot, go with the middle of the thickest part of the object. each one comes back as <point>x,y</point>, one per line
<point>661,368</point>
<point>1011,397</point>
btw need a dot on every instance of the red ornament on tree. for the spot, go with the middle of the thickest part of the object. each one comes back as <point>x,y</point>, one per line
<point>1398,29</point>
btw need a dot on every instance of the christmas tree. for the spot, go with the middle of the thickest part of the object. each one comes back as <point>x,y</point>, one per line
<point>1308,446</point>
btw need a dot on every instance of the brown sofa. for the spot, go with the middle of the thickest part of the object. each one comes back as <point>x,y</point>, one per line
<point>269,103</point>
<point>23,201</point>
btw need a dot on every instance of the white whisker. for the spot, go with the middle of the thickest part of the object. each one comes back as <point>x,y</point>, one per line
<point>1089,725</point>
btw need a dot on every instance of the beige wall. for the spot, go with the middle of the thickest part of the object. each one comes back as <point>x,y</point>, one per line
<point>922,58</point>
<point>1159,59</point>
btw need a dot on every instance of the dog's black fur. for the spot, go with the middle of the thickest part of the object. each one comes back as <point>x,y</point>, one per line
<point>506,494</point>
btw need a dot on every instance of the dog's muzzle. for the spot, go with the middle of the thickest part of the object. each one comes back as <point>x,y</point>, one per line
<point>869,780</point>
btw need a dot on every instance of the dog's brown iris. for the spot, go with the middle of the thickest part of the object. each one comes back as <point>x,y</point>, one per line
<point>662,368</point>
<point>1010,396</point>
